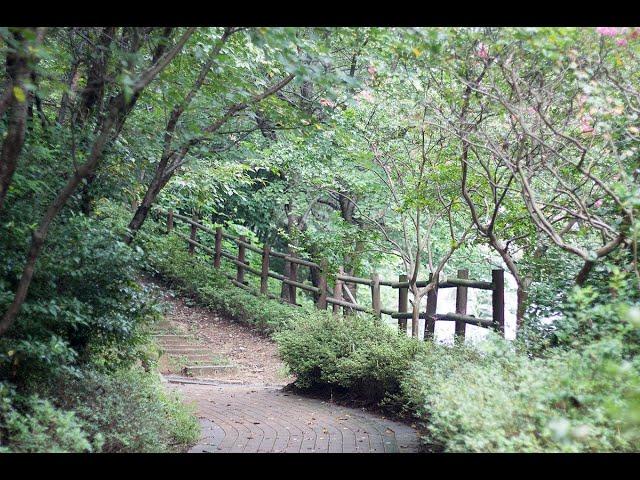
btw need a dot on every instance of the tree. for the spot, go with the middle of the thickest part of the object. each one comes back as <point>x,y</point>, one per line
<point>178,145</point>
<point>116,115</point>
<point>19,66</point>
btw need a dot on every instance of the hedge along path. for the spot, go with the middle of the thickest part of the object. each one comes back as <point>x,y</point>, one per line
<point>248,411</point>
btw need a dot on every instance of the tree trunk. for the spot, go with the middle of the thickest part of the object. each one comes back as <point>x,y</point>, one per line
<point>18,73</point>
<point>415,314</point>
<point>157,184</point>
<point>284,289</point>
<point>314,278</point>
<point>347,208</point>
<point>43,118</point>
<point>93,92</point>
<point>522,296</point>
<point>67,97</point>
<point>265,125</point>
<point>584,272</point>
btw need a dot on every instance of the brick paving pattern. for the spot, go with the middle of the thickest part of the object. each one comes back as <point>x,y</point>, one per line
<point>261,419</point>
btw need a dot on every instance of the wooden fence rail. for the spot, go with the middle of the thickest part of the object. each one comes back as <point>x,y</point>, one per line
<point>341,295</point>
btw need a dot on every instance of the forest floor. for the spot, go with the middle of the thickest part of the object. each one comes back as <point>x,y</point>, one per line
<point>234,377</point>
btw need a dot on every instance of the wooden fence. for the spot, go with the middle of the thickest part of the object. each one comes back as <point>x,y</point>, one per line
<point>340,295</point>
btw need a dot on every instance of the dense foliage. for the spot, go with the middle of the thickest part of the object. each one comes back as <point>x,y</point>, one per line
<point>398,150</point>
<point>72,370</point>
<point>498,401</point>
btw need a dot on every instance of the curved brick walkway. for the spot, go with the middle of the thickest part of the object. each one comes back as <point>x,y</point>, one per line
<point>255,419</point>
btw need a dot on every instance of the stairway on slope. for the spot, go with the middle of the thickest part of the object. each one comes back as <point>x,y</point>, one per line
<point>184,354</point>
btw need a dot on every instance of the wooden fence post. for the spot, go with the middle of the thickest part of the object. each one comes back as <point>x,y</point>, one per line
<point>461,305</point>
<point>322,284</point>
<point>375,295</point>
<point>218,254</point>
<point>170,220</point>
<point>432,305</point>
<point>337,291</point>
<point>194,232</point>
<point>286,272</point>
<point>497,278</point>
<point>241,256</point>
<point>264,275</point>
<point>293,275</point>
<point>403,303</point>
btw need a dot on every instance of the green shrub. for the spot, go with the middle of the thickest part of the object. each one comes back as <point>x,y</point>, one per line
<point>123,411</point>
<point>84,301</point>
<point>361,355</point>
<point>592,314</point>
<point>130,409</point>
<point>30,424</point>
<point>499,401</point>
<point>584,314</point>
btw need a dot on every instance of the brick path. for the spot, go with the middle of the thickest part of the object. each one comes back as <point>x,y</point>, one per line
<point>255,419</point>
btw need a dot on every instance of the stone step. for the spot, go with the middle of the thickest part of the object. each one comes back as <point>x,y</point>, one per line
<point>169,336</point>
<point>182,336</point>
<point>185,350</point>
<point>181,342</point>
<point>200,356</point>
<point>200,359</point>
<point>209,371</point>
<point>163,328</point>
<point>182,345</point>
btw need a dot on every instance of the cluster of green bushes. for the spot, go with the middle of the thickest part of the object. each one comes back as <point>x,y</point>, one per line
<point>501,401</point>
<point>77,369</point>
<point>494,397</point>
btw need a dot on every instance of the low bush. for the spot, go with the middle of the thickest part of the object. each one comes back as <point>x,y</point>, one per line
<point>357,354</point>
<point>125,411</point>
<point>495,400</point>
<point>31,424</point>
<point>129,410</point>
